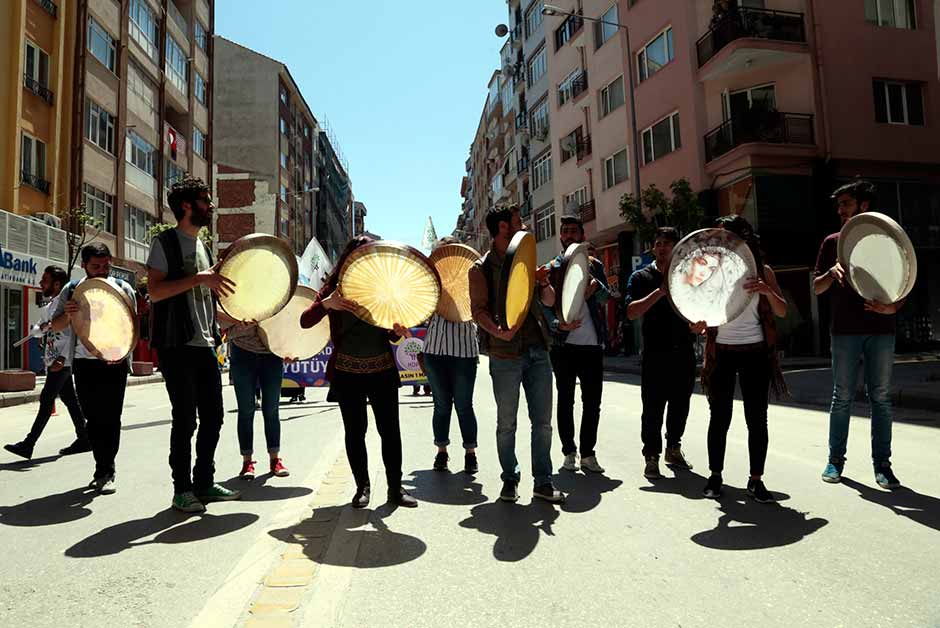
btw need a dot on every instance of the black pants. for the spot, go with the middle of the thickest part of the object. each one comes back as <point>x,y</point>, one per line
<point>100,387</point>
<point>584,363</point>
<point>381,392</point>
<point>668,379</point>
<point>194,384</point>
<point>752,369</point>
<point>58,384</point>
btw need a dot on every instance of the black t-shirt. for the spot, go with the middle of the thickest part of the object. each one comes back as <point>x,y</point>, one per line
<point>663,328</point>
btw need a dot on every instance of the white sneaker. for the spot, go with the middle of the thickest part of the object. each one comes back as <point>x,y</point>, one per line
<point>589,463</point>
<point>571,462</point>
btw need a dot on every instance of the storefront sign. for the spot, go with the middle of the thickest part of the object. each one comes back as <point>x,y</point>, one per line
<point>123,273</point>
<point>21,269</point>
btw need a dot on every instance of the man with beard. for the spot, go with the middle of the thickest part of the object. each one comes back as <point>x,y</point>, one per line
<point>185,333</point>
<point>578,354</point>
<point>860,329</point>
<point>56,347</point>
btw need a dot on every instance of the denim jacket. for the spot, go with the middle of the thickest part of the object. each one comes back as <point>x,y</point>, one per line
<point>595,303</point>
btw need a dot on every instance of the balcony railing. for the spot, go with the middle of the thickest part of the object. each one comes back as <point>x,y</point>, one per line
<point>569,28</point>
<point>584,148</point>
<point>747,22</point>
<point>49,6</point>
<point>37,88</point>
<point>177,17</point>
<point>525,210</point>
<point>35,181</point>
<point>522,120</point>
<point>588,211</point>
<point>579,85</point>
<point>774,127</point>
<point>522,165</point>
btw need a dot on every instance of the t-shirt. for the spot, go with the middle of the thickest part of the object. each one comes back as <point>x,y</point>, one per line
<point>77,350</point>
<point>55,344</point>
<point>663,329</point>
<point>848,316</point>
<point>585,335</point>
<point>199,299</point>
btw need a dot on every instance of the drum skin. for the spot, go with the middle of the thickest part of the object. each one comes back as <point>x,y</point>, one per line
<point>577,275</point>
<point>283,335</point>
<point>264,270</point>
<point>517,285</point>
<point>878,257</point>
<point>391,283</point>
<point>453,263</point>
<point>105,323</point>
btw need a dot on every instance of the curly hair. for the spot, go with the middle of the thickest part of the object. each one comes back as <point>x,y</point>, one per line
<point>186,190</point>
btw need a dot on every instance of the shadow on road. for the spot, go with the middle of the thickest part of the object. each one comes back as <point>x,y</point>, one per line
<point>444,487</point>
<point>517,528</point>
<point>21,466</point>
<point>258,490</point>
<point>584,490</point>
<point>141,426</point>
<point>923,509</point>
<point>166,525</point>
<point>49,510</point>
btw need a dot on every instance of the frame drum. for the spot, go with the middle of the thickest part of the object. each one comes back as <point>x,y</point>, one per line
<point>391,283</point>
<point>284,336</point>
<point>264,270</point>
<point>577,275</point>
<point>878,257</point>
<point>105,323</point>
<point>707,274</point>
<point>453,263</point>
<point>517,285</point>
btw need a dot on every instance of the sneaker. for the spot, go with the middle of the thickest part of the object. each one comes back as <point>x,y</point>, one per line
<point>833,471</point>
<point>21,449</point>
<point>401,497</point>
<point>248,470</point>
<point>108,486</point>
<point>885,477</point>
<point>675,458</point>
<point>713,487</point>
<point>651,472</point>
<point>278,469</point>
<point>187,502</point>
<point>362,497</point>
<point>470,463</point>
<point>97,483</point>
<point>589,463</point>
<point>549,493</point>
<point>218,493</point>
<point>509,492</point>
<point>440,461</point>
<point>79,446</point>
<point>571,462</point>
<point>759,492</point>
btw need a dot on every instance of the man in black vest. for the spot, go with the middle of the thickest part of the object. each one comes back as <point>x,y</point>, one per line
<point>518,356</point>
<point>181,280</point>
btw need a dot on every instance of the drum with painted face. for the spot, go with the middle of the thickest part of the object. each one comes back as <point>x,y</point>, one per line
<point>878,257</point>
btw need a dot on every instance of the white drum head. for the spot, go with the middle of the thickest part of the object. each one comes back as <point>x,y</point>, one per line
<point>284,336</point>
<point>878,257</point>
<point>576,277</point>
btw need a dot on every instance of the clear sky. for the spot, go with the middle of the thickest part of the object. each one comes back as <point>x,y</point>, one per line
<point>402,84</point>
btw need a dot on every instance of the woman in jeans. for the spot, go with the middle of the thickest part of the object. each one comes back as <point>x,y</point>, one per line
<point>253,366</point>
<point>744,349</point>
<point>362,368</point>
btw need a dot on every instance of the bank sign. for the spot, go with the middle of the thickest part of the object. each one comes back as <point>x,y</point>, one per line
<point>20,268</point>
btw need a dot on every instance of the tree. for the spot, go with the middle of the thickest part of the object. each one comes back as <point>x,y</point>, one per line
<point>682,211</point>
<point>160,227</point>
<point>78,224</point>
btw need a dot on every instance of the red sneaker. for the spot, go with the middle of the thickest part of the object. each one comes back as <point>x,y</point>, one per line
<point>278,469</point>
<point>248,470</point>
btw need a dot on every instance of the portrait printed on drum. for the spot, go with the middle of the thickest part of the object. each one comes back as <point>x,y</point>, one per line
<point>705,283</point>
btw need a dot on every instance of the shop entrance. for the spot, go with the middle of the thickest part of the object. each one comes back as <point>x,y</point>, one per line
<point>11,306</point>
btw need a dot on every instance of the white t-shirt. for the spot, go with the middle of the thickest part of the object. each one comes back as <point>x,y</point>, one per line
<point>585,335</point>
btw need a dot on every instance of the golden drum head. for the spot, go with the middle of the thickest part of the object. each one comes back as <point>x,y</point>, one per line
<point>264,270</point>
<point>283,334</point>
<point>105,322</point>
<point>878,257</point>
<point>391,283</point>
<point>453,263</point>
<point>518,281</point>
<point>577,275</point>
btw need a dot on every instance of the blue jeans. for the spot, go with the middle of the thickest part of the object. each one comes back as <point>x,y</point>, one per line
<point>452,381</point>
<point>878,354</point>
<point>533,370</point>
<point>248,370</point>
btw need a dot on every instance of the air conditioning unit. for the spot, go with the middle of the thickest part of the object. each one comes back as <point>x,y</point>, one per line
<point>50,219</point>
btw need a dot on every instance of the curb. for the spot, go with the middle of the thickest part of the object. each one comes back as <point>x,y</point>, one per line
<point>10,399</point>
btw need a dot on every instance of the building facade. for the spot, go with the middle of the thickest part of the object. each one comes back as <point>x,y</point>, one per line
<point>335,199</point>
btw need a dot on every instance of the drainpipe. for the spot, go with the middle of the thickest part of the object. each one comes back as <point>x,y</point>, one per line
<point>822,97</point>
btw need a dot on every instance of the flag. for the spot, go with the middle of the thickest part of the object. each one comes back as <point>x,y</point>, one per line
<point>430,235</point>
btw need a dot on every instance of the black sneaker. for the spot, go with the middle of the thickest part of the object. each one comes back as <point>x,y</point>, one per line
<point>509,492</point>
<point>713,487</point>
<point>549,493</point>
<point>759,492</point>
<point>402,498</point>
<point>21,449</point>
<point>440,461</point>
<point>362,496</point>
<point>885,477</point>
<point>79,446</point>
<point>470,463</point>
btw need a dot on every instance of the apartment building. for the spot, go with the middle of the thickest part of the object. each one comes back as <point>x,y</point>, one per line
<point>335,200</point>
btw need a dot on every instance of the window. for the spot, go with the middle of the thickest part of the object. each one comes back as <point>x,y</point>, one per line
<point>137,224</point>
<point>37,64</point>
<point>99,126</point>
<point>899,103</point>
<point>537,67</point>
<point>570,144</point>
<point>176,65</point>
<point>141,94</point>
<point>606,29</point>
<point>172,173</point>
<point>566,89</point>
<point>654,55</point>
<point>284,94</point>
<point>533,18</point>
<point>33,161</point>
<point>306,130</point>
<point>283,193</point>
<point>202,38</point>
<point>575,200</point>
<point>101,44</point>
<point>506,95</point>
<point>894,13</point>
<point>616,169</point>
<point>283,126</point>
<point>199,143</point>
<point>200,88</point>
<point>143,27</point>
<point>283,161</point>
<point>100,204</point>
<point>662,138</point>
<point>739,102</point>
<point>542,171</point>
<point>539,120</point>
<point>612,96</point>
<point>545,223</point>
<point>140,153</point>
<point>569,28</point>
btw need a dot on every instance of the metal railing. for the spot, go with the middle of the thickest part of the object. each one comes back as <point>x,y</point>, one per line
<point>748,22</point>
<point>773,127</point>
<point>569,28</point>
<point>584,148</point>
<point>588,211</point>
<point>49,6</point>
<point>579,85</point>
<point>522,165</point>
<point>525,210</point>
<point>35,181</point>
<point>37,88</point>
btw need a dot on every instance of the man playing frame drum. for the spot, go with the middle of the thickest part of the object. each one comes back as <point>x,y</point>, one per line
<point>860,329</point>
<point>668,366</point>
<point>518,356</point>
<point>185,333</point>
<point>577,353</point>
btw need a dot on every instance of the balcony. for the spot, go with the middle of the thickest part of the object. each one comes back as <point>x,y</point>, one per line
<point>579,85</point>
<point>522,120</point>
<point>37,88</point>
<point>35,181</point>
<point>779,34</point>
<point>569,30</point>
<point>588,211</point>
<point>49,6</point>
<point>177,17</point>
<point>525,210</point>
<point>584,148</point>
<point>770,127</point>
<point>522,165</point>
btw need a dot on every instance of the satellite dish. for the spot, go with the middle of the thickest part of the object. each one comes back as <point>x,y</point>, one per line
<point>502,30</point>
<point>568,144</point>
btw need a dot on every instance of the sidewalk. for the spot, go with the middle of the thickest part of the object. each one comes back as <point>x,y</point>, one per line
<point>9,399</point>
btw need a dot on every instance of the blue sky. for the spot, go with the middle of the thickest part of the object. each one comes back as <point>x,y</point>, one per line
<point>402,85</point>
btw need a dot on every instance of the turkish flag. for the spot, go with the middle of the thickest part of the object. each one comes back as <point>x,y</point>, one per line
<point>171,138</point>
